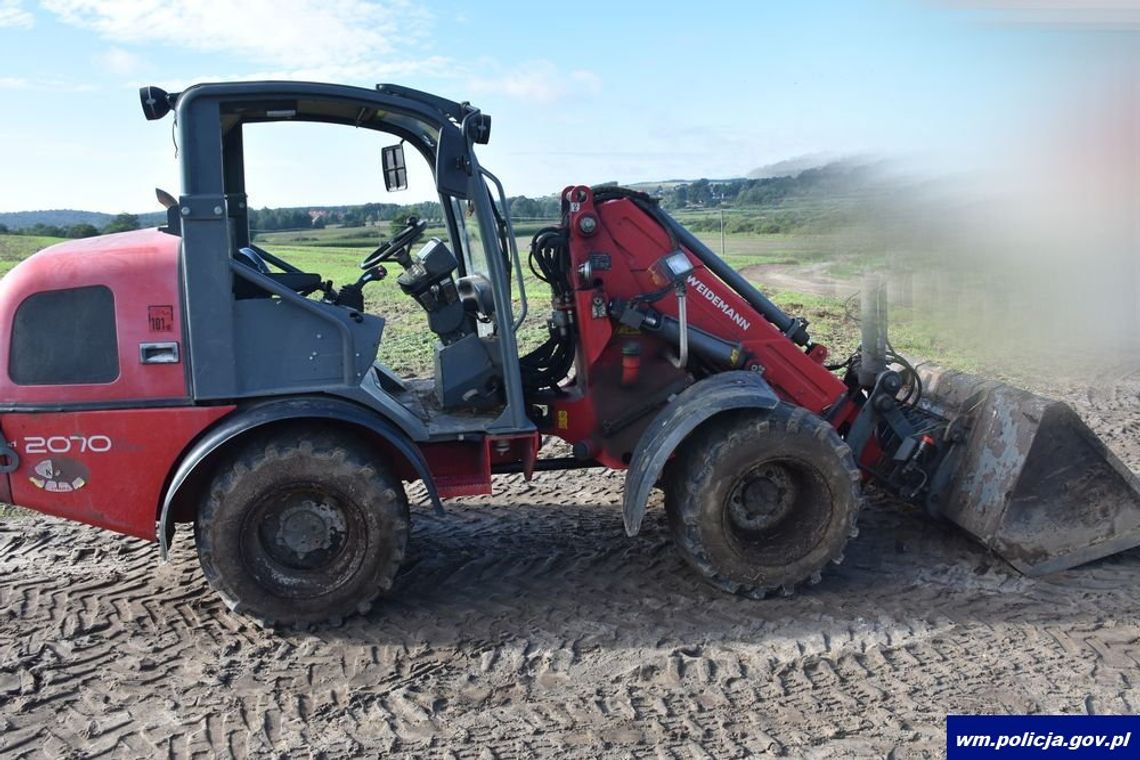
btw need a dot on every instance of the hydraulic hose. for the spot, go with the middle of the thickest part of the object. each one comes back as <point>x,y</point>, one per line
<point>683,318</point>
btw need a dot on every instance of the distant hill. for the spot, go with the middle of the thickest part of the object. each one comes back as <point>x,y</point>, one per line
<point>792,167</point>
<point>66,217</point>
<point>20,220</point>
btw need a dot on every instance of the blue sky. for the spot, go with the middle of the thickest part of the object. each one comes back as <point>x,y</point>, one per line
<point>580,93</point>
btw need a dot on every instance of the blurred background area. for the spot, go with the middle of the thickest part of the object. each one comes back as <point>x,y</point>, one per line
<point>1023,259</point>
<point>1028,259</point>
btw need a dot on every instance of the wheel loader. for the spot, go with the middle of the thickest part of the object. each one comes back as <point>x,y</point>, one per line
<point>187,375</point>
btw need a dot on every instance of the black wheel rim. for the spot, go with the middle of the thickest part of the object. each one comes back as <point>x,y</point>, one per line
<point>777,511</point>
<point>302,540</point>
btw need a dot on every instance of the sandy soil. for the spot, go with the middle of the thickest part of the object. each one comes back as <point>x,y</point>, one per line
<point>526,623</point>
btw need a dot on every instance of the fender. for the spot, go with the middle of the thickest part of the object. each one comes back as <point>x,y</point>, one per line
<point>739,389</point>
<point>308,407</point>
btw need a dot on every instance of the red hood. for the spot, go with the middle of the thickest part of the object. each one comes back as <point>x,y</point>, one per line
<point>135,241</point>
<point>62,261</point>
<point>141,270</point>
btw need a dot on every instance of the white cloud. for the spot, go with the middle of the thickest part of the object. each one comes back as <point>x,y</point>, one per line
<point>284,34</point>
<point>119,61</point>
<point>12,13</point>
<point>395,71</point>
<point>398,72</point>
<point>539,82</point>
<point>14,83</point>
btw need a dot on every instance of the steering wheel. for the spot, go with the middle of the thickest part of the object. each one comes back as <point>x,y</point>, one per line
<point>402,240</point>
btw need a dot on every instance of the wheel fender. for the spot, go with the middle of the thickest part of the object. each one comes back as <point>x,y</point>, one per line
<point>720,393</point>
<point>249,418</point>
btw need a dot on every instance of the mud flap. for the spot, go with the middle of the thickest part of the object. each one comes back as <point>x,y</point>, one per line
<point>681,416</point>
<point>1028,478</point>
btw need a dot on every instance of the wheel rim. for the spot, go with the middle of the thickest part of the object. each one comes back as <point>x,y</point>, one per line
<point>303,531</point>
<point>762,498</point>
<point>777,511</point>
<point>302,540</point>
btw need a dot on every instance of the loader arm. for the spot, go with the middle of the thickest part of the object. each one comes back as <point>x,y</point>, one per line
<point>657,358</point>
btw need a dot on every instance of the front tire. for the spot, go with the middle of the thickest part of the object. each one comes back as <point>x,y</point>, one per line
<point>763,501</point>
<point>300,529</point>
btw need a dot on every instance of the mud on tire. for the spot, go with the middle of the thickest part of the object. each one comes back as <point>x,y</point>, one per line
<point>762,501</point>
<point>299,529</point>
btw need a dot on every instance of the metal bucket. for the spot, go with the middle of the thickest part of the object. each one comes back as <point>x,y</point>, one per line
<point>1029,479</point>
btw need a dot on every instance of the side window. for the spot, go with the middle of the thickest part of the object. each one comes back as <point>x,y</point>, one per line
<point>65,337</point>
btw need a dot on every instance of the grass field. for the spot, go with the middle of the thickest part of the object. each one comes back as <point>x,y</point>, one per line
<point>407,344</point>
<point>16,248</point>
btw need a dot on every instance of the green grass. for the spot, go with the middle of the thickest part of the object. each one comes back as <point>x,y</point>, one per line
<point>407,346</point>
<point>16,248</point>
<point>845,254</point>
<point>834,323</point>
<point>407,343</point>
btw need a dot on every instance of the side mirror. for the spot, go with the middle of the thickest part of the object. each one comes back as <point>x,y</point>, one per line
<point>395,170</point>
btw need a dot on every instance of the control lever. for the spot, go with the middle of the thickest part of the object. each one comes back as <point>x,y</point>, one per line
<point>352,295</point>
<point>375,274</point>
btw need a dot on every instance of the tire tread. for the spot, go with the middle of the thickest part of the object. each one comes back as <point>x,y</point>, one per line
<point>249,461</point>
<point>698,459</point>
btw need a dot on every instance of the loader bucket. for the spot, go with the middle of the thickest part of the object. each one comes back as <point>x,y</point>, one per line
<point>1030,480</point>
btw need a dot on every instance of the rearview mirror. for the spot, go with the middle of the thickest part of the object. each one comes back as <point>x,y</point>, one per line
<point>395,171</point>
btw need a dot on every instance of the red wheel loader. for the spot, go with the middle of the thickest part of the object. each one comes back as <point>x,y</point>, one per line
<point>185,374</point>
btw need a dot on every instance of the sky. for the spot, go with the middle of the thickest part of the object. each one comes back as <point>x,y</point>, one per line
<point>580,93</point>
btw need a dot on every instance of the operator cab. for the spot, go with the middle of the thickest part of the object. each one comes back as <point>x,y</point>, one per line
<point>466,373</point>
<point>456,268</point>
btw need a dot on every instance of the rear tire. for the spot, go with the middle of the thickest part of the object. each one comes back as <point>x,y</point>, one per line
<point>302,529</point>
<point>762,502</point>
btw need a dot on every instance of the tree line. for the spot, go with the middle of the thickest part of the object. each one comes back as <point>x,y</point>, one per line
<point>373,214</point>
<point>317,217</point>
<point>780,198</point>
<point>121,223</point>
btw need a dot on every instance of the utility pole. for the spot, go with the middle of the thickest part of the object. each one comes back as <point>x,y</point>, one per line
<point>722,233</point>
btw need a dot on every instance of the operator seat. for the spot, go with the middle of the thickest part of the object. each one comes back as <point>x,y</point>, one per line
<point>302,283</point>
<point>251,259</point>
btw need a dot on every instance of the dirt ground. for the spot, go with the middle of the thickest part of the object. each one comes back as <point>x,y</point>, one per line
<point>527,624</point>
<point>802,278</point>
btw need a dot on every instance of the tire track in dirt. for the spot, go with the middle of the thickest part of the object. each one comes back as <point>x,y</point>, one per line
<point>526,623</point>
